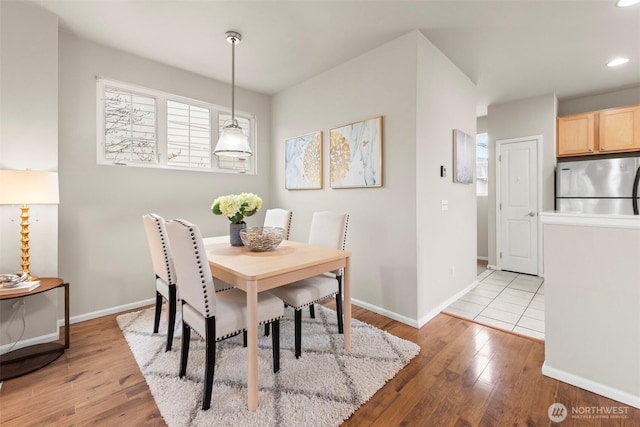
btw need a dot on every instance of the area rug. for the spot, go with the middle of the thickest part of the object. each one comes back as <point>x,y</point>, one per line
<point>322,388</point>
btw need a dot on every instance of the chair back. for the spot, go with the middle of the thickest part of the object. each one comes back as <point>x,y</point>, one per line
<point>329,229</point>
<point>190,258</point>
<point>161,257</point>
<point>279,218</point>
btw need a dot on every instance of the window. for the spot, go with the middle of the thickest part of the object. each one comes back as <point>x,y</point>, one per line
<point>482,164</point>
<point>148,128</point>
<point>129,127</point>
<point>188,135</point>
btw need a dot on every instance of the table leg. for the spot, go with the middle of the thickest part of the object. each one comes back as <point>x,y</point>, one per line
<point>66,315</point>
<point>252,345</point>
<point>346,304</point>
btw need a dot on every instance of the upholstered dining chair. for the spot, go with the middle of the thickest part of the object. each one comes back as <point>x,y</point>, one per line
<point>327,229</point>
<point>213,315</point>
<point>154,226</point>
<point>279,218</point>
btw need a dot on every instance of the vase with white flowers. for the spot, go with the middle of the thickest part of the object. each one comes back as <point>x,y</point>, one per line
<point>236,207</point>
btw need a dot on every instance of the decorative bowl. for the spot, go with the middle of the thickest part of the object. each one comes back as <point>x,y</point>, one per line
<point>12,280</point>
<point>262,239</point>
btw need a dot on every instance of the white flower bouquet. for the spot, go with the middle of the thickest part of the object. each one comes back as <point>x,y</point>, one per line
<point>236,206</point>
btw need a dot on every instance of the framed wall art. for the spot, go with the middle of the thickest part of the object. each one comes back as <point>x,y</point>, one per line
<point>355,154</point>
<point>303,162</point>
<point>463,157</point>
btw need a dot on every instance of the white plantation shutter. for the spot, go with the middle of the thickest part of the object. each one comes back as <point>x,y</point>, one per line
<point>129,127</point>
<point>188,135</point>
<point>235,163</point>
<point>143,127</point>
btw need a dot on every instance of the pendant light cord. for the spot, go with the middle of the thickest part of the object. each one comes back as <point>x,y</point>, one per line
<point>233,80</point>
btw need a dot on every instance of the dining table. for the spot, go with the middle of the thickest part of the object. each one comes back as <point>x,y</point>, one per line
<point>255,272</point>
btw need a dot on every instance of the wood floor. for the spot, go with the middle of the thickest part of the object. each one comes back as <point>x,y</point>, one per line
<point>465,375</point>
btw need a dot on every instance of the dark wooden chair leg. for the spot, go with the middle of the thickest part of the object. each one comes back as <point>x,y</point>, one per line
<point>339,306</point>
<point>184,354</point>
<point>156,321</point>
<point>244,339</point>
<point>297,321</point>
<point>266,329</point>
<point>275,344</point>
<point>210,361</point>
<point>172,317</point>
<point>312,311</point>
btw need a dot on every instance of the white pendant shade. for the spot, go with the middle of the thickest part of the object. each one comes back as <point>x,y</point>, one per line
<point>233,143</point>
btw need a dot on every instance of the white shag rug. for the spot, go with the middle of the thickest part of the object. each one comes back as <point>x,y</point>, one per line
<point>322,388</point>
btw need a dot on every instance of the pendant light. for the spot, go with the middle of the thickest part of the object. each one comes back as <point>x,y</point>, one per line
<point>233,142</point>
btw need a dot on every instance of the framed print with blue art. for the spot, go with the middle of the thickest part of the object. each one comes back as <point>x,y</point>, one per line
<point>356,154</point>
<point>303,162</point>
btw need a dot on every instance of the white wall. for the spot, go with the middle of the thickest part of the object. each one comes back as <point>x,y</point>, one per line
<point>422,97</point>
<point>29,139</point>
<point>592,304</point>
<point>526,117</point>
<point>446,239</point>
<point>382,224</point>
<point>618,98</point>
<point>103,248</point>
<point>482,211</point>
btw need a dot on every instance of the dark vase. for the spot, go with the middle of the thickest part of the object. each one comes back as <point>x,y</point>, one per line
<point>234,233</point>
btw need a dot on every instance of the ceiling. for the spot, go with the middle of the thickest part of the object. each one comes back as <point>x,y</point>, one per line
<point>510,49</point>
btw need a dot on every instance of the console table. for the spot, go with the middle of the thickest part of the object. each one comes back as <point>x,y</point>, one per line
<point>27,359</point>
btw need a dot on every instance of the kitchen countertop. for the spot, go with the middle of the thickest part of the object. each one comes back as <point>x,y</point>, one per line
<point>590,220</point>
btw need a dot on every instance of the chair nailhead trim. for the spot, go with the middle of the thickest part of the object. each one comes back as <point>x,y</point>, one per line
<point>163,239</point>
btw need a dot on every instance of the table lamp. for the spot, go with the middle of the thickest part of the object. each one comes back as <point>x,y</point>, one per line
<point>27,187</point>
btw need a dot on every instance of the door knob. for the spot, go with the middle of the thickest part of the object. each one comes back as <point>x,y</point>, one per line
<point>531,214</point>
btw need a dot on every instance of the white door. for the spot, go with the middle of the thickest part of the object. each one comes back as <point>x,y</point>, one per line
<point>517,204</point>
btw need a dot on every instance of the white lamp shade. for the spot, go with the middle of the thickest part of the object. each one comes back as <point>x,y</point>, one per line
<point>27,187</point>
<point>233,143</point>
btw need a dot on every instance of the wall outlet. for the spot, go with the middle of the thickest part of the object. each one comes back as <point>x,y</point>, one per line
<point>453,272</point>
<point>444,205</point>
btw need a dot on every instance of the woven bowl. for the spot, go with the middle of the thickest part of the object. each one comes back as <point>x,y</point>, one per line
<point>261,239</point>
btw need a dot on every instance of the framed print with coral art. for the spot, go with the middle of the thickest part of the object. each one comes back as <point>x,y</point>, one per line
<point>303,162</point>
<point>355,152</point>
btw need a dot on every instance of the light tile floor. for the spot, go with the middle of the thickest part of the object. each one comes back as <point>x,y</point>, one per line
<point>505,300</point>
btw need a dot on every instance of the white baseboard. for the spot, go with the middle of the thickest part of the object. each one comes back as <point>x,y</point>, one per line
<point>595,387</point>
<point>75,319</point>
<point>107,311</point>
<point>42,339</point>
<point>412,322</point>
<point>482,258</point>
<point>386,313</point>
<point>433,313</point>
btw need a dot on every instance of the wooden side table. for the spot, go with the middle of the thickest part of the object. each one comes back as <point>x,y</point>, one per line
<point>28,359</point>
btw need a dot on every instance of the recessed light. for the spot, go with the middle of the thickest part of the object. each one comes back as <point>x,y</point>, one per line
<point>617,61</point>
<point>625,3</point>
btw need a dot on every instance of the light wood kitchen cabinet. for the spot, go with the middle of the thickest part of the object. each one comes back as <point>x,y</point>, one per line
<point>576,135</point>
<point>614,130</point>
<point>619,129</point>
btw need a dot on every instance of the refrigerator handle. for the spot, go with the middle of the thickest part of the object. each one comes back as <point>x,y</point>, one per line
<point>634,194</point>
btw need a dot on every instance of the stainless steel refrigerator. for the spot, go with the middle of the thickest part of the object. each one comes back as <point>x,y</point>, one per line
<point>603,186</point>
